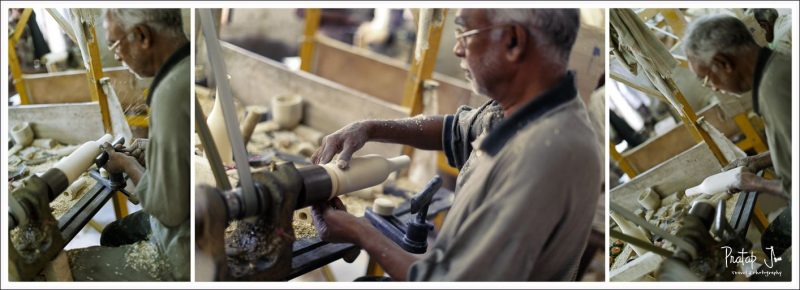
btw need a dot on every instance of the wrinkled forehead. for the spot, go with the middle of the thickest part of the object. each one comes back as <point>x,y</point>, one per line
<point>471,17</point>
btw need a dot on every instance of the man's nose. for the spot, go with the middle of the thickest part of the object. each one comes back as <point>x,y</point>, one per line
<point>458,49</point>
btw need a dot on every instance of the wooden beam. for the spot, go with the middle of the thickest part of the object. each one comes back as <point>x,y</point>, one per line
<point>66,123</point>
<point>377,75</point>
<point>312,19</point>
<point>422,66</point>
<point>95,73</point>
<point>687,169</point>
<point>72,87</point>
<point>678,139</point>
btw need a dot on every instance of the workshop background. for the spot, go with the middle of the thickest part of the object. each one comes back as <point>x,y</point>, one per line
<point>342,66</point>
<point>656,156</point>
<point>65,89</point>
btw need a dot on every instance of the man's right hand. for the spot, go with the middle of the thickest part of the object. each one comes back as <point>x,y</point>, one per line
<point>136,150</point>
<point>344,142</point>
<point>117,162</point>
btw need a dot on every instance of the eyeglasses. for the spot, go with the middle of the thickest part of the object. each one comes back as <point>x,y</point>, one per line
<point>461,37</point>
<point>114,46</point>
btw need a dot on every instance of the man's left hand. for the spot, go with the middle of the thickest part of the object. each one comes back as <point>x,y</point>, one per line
<point>334,224</point>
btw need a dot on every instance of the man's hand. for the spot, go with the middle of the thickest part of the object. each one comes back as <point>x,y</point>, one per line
<point>747,181</point>
<point>752,164</point>
<point>117,162</point>
<point>345,141</point>
<point>136,150</point>
<point>334,224</point>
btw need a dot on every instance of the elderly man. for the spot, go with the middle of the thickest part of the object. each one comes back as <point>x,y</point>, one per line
<point>722,52</point>
<point>152,244</point>
<point>530,167</point>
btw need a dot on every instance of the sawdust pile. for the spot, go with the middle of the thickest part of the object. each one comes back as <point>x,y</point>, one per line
<point>145,257</point>
<point>31,160</point>
<point>247,243</point>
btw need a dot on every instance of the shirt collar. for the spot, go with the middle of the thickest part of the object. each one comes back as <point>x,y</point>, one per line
<point>559,94</point>
<point>761,63</point>
<point>175,58</point>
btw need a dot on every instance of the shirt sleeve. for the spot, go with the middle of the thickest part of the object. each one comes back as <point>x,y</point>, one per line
<point>461,128</point>
<point>164,188</point>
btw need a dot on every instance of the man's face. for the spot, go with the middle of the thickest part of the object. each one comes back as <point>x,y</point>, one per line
<point>127,47</point>
<point>480,59</point>
<point>719,76</point>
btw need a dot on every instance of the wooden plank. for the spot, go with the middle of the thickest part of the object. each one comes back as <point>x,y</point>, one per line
<point>663,147</point>
<point>329,106</point>
<point>66,123</point>
<point>687,169</point>
<point>71,87</point>
<point>381,76</point>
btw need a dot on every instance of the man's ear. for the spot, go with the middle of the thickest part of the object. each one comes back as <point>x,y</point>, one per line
<point>144,35</point>
<point>723,62</point>
<point>516,43</point>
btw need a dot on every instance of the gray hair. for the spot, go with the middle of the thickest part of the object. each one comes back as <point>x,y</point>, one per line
<point>557,27</point>
<point>164,21</point>
<point>710,35</point>
<point>765,14</point>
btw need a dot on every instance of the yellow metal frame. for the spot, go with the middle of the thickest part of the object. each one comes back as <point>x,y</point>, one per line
<point>138,120</point>
<point>312,18</point>
<point>93,75</point>
<point>422,69</point>
<point>752,139</point>
<point>690,119</point>
<point>621,161</point>
<point>13,60</point>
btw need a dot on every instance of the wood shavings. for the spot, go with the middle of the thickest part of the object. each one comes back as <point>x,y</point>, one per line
<point>38,160</point>
<point>145,257</point>
<point>246,243</point>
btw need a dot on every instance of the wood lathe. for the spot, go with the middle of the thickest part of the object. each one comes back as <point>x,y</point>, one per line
<point>278,193</point>
<point>40,237</point>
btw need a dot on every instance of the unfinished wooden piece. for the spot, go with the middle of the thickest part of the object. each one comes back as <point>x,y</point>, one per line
<point>22,134</point>
<point>650,199</point>
<point>636,269</point>
<point>716,183</point>
<point>632,230</point>
<point>249,124</point>
<point>383,206</point>
<point>46,143</point>
<point>363,172</point>
<point>216,124</point>
<point>287,110</point>
<point>81,159</point>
